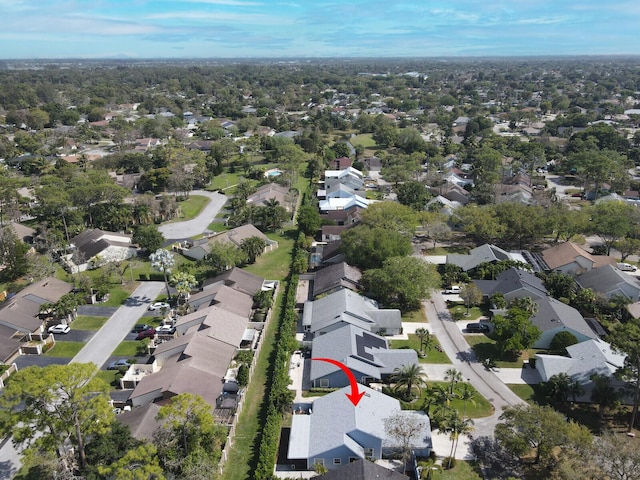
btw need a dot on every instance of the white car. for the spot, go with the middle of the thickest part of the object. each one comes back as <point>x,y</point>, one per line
<point>452,290</point>
<point>166,330</point>
<point>627,267</point>
<point>159,305</point>
<point>59,329</point>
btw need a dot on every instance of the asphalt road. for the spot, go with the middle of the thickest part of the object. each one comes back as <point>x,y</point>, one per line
<point>464,360</point>
<point>190,228</point>
<point>98,350</point>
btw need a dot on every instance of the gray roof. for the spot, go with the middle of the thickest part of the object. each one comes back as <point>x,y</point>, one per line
<point>609,281</point>
<point>238,279</point>
<point>585,359</point>
<point>93,241</point>
<point>360,350</point>
<point>344,306</point>
<point>512,280</point>
<point>335,276</point>
<point>553,313</point>
<point>141,421</point>
<point>362,470</point>
<point>483,253</point>
<point>336,422</point>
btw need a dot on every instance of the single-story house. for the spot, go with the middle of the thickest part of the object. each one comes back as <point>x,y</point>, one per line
<point>486,253</point>
<point>272,191</point>
<point>238,279</point>
<point>336,277</point>
<point>94,248</point>
<point>569,257</point>
<point>362,470</point>
<point>345,307</point>
<point>514,283</point>
<point>609,281</point>
<point>367,355</point>
<point>341,203</point>
<point>585,359</point>
<point>553,316</point>
<point>335,432</point>
<point>200,248</point>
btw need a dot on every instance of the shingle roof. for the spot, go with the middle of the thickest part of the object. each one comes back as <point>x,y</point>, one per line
<point>512,280</point>
<point>334,276</point>
<point>141,421</point>
<point>585,358</point>
<point>346,306</point>
<point>609,280</point>
<point>360,350</point>
<point>478,255</point>
<point>238,279</point>
<point>336,422</point>
<point>553,313</point>
<point>362,470</point>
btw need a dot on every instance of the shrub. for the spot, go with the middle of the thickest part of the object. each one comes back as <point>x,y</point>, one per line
<point>449,463</point>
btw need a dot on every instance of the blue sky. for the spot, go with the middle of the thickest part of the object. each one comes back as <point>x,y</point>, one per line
<point>316,28</point>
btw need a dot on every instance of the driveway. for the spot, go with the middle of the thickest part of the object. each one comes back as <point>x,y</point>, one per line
<point>98,350</point>
<point>190,228</point>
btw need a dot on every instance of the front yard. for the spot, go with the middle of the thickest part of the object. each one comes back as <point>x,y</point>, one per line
<point>85,322</point>
<point>62,349</point>
<point>485,347</point>
<point>432,355</point>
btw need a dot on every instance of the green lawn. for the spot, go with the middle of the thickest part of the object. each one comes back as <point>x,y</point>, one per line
<point>415,316</point>
<point>275,265</point>
<point>126,349</point>
<point>485,347</point>
<point>529,393</point>
<point>85,322</point>
<point>117,295</point>
<point>63,349</point>
<point>111,377</point>
<point>365,139</point>
<point>191,207</point>
<point>245,447</point>
<point>462,471</point>
<point>433,355</point>
<point>481,409</point>
<point>474,312</point>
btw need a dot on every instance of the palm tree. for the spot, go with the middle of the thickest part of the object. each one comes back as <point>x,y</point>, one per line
<point>467,395</point>
<point>424,336</point>
<point>456,426</point>
<point>408,377</point>
<point>453,376</point>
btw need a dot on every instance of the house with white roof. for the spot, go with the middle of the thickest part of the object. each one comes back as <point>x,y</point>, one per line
<point>584,359</point>
<point>345,307</point>
<point>335,432</point>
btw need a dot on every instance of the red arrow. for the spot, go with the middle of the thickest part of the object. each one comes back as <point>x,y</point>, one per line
<point>355,396</point>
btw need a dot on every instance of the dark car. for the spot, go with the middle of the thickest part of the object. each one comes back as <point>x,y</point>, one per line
<point>477,328</point>
<point>150,333</point>
<point>141,327</point>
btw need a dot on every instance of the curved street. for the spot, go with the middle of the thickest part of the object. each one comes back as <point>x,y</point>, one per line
<point>189,228</point>
<point>464,360</point>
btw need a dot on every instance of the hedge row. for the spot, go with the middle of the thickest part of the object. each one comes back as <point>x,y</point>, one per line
<point>279,396</point>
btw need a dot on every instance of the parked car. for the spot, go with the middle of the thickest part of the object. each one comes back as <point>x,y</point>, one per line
<point>150,333</point>
<point>64,329</point>
<point>159,305</point>
<point>627,267</point>
<point>123,362</point>
<point>166,330</point>
<point>453,289</point>
<point>477,328</point>
<point>141,327</point>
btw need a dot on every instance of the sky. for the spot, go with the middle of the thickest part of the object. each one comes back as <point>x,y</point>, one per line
<point>316,28</point>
